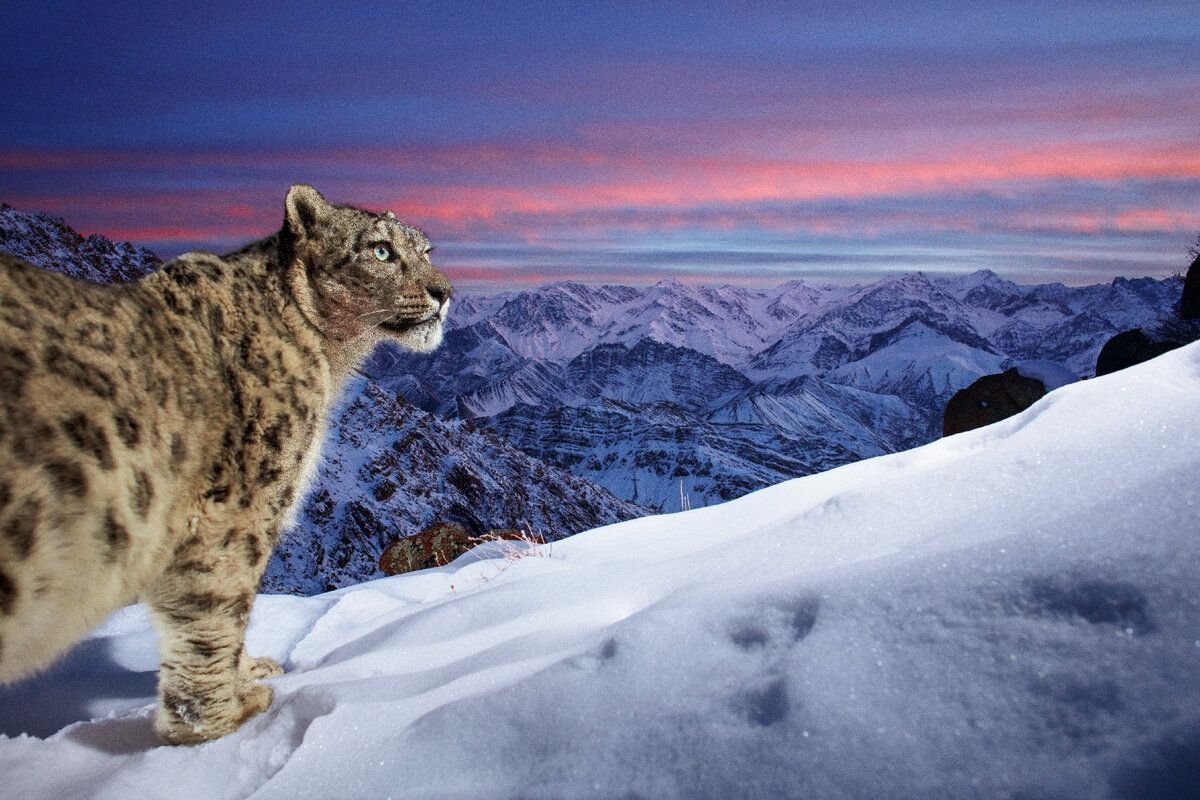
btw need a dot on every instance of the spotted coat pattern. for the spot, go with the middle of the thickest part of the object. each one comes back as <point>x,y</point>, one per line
<point>156,436</point>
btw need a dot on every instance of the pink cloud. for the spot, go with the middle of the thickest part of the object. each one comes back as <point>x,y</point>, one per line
<point>687,182</point>
<point>519,190</point>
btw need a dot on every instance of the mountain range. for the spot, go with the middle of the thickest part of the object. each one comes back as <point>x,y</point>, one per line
<point>676,395</point>
<point>389,470</point>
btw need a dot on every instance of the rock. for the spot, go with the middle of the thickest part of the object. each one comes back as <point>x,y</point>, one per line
<point>436,546</point>
<point>1131,347</point>
<point>1189,306</point>
<point>991,399</point>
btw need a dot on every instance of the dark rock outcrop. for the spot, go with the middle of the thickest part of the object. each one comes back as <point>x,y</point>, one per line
<point>1189,306</point>
<point>991,399</point>
<point>436,546</point>
<point>1131,347</point>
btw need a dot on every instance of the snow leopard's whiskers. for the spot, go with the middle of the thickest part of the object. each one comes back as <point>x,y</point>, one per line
<point>387,311</point>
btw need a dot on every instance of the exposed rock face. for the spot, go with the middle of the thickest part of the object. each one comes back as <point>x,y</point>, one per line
<point>1131,347</point>
<point>1189,306</point>
<point>991,399</point>
<point>435,546</point>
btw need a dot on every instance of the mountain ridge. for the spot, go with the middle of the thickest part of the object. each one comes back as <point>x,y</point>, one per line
<point>517,359</point>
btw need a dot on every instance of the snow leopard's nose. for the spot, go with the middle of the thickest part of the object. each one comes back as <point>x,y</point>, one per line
<point>439,289</point>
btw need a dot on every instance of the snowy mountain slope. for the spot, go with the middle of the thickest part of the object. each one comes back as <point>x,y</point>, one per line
<point>650,452</point>
<point>1010,612</point>
<point>920,364</point>
<point>390,470</point>
<point>559,321</point>
<point>48,242</point>
<point>531,384</point>
<point>810,408</point>
<point>869,318</point>
<point>650,372</point>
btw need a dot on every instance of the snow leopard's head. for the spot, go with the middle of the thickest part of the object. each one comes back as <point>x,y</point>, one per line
<point>358,273</point>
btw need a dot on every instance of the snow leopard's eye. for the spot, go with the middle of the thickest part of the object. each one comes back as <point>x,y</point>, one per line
<point>383,252</point>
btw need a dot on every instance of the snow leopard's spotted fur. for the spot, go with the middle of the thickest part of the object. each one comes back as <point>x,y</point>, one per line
<point>155,437</point>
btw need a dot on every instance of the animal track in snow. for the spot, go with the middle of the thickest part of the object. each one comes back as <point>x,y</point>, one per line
<point>785,623</point>
<point>1094,600</point>
<point>772,629</point>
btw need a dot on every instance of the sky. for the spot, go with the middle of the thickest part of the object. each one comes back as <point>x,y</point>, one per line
<point>626,142</point>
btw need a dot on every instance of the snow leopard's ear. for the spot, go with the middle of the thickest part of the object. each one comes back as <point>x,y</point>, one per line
<point>304,208</point>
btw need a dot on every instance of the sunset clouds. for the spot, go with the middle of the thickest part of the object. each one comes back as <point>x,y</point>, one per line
<point>626,142</point>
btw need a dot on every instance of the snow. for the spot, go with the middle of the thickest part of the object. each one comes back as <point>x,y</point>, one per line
<point>1010,612</point>
<point>919,354</point>
<point>1052,375</point>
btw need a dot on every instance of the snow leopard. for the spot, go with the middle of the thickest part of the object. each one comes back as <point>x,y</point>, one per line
<point>156,437</point>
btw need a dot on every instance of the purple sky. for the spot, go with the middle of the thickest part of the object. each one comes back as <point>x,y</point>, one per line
<point>626,142</point>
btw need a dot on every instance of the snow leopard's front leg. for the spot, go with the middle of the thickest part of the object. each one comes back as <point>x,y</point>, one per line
<point>202,692</point>
<point>208,686</point>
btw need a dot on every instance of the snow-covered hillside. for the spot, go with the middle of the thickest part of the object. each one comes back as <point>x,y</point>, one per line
<point>1010,612</point>
<point>645,390</point>
<point>50,243</point>
<point>389,470</point>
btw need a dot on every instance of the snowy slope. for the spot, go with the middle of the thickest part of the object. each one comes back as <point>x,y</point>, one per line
<point>865,423</point>
<point>919,363</point>
<point>1010,612</point>
<point>644,452</point>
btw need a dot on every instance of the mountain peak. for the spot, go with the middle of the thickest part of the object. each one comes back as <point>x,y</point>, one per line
<point>669,284</point>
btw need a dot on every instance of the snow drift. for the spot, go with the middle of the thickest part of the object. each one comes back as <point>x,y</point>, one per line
<point>1010,612</point>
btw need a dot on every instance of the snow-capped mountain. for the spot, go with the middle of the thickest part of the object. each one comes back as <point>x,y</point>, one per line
<point>719,390</point>
<point>1007,613</point>
<point>50,243</point>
